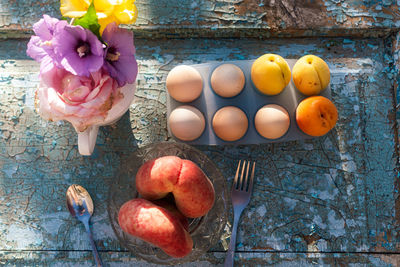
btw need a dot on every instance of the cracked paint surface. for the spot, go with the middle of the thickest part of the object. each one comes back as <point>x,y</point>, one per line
<point>230,18</point>
<point>312,198</point>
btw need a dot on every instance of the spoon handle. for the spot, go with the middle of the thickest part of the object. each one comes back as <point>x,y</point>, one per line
<point>96,255</point>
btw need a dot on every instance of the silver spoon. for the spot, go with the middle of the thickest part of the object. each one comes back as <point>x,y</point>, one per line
<point>80,205</point>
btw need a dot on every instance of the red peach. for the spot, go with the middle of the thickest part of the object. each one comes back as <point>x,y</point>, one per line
<point>171,207</point>
<point>157,177</point>
<point>153,224</point>
<point>193,191</point>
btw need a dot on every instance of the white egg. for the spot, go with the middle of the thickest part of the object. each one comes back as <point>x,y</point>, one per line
<point>230,123</point>
<point>272,121</point>
<point>227,80</point>
<point>186,123</point>
<point>184,83</point>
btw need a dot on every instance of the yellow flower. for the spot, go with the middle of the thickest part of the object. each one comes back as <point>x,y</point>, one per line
<point>118,11</point>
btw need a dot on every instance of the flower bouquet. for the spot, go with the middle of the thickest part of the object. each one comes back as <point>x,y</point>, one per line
<point>88,67</point>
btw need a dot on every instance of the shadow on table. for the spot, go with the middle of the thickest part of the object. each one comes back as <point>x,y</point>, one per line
<point>117,139</point>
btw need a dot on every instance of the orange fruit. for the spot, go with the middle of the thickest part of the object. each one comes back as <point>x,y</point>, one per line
<point>270,74</point>
<point>311,75</point>
<point>316,115</point>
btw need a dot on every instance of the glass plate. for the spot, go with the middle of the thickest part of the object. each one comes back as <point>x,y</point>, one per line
<point>205,231</point>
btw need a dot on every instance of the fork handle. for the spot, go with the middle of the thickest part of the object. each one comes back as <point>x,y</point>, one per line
<point>232,243</point>
<point>96,255</point>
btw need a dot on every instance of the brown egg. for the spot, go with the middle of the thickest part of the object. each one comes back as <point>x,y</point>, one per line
<point>227,80</point>
<point>186,123</point>
<point>184,83</point>
<point>230,123</point>
<point>272,121</point>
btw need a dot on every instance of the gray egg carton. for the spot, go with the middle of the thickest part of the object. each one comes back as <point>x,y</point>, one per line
<point>250,100</point>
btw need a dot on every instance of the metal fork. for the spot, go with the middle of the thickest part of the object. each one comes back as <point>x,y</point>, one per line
<point>241,192</point>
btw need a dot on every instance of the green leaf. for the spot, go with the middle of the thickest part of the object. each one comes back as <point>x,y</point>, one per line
<point>90,21</point>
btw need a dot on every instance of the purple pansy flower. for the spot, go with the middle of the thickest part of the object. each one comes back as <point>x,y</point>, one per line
<point>40,46</point>
<point>78,50</point>
<point>120,59</point>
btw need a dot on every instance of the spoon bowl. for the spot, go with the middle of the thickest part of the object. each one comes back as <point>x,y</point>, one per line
<point>78,194</point>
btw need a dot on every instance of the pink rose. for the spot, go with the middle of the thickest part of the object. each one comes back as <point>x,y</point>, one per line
<point>83,101</point>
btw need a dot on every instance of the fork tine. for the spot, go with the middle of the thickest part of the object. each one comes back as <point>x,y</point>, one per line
<point>242,175</point>
<point>251,178</point>
<point>234,185</point>
<point>244,186</point>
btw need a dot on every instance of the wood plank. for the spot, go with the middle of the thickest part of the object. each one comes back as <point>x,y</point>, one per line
<point>396,85</point>
<point>396,96</point>
<point>331,194</point>
<point>124,259</point>
<point>239,18</point>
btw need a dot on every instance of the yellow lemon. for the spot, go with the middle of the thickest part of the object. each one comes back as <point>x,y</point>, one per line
<point>270,73</point>
<point>311,75</point>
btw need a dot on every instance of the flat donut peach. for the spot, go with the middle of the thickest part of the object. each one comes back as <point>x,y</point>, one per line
<point>193,191</point>
<point>156,225</point>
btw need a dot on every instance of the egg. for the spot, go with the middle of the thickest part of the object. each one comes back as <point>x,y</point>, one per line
<point>230,123</point>
<point>227,80</point>
<point>184,83</point>
<point>186,123</point>
<point>272,121</point>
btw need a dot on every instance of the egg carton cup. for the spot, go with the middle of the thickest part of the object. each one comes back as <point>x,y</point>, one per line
<point>250,100</point>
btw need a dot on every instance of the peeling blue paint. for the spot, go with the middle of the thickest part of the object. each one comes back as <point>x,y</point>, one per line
<point>337,186</point>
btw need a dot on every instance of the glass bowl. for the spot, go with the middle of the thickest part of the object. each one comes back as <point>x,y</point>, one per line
<point>205,231</point>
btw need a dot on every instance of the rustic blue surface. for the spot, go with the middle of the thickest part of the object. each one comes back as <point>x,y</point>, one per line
<point>327,201</point>
<point>331,194</point>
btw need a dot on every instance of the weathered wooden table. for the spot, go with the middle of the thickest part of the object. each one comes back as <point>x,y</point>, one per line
<point>327,201</point>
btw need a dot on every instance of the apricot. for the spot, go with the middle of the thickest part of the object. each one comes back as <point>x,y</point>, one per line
<point>316,115</point>
<point>311,75</point>
<point>156,225</point>
<point>193,191</point>
<point>270,74</point>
